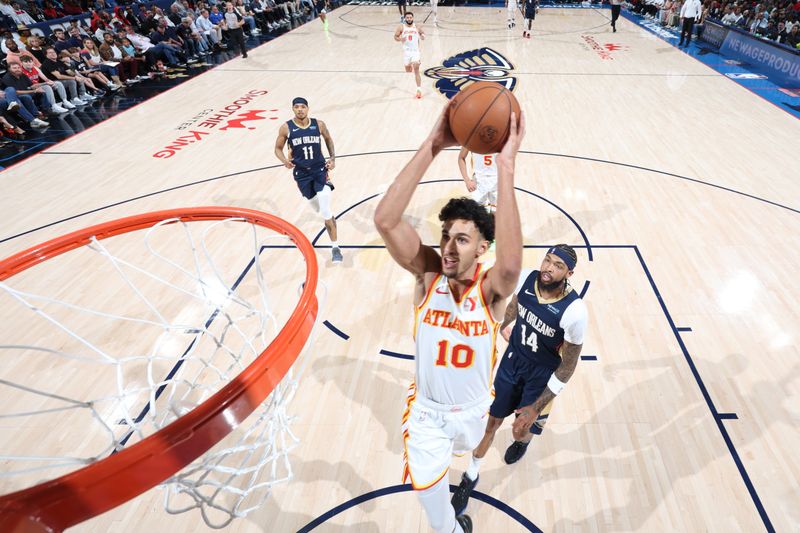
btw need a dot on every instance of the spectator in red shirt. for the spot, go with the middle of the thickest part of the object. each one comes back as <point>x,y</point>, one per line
<point>38,79</point>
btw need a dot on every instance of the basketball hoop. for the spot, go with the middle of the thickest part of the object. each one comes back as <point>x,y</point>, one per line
<point>205,397</point>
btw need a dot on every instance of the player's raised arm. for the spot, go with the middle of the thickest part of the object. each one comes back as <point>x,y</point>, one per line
<point>402,240</point>
<point>503,276</point>
<point>280,142</point>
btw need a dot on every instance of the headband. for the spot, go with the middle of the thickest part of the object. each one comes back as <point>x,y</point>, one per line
<point>299,100</point>
<point>564,256</point>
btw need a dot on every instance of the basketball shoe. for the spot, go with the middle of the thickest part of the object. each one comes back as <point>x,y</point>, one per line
<point>461,494</point>
<point>465,522</point>
<point>515,452</point>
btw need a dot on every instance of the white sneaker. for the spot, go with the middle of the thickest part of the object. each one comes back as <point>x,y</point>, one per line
<point>67,104</point>
<point>58,109</point>
<point>38,123</point>
<point>77,101</point>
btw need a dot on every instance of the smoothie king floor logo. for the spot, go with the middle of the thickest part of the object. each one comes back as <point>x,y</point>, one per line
<point>604,51</point>
<point>233,116</point>
<point>461,70</point>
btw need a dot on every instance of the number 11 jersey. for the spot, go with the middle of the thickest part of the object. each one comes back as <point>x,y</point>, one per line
<point>306,148</point>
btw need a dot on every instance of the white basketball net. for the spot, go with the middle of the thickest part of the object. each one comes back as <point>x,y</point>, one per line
<point>139,329</point>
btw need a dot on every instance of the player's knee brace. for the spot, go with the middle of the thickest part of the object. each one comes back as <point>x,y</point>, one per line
<point>324,199</point>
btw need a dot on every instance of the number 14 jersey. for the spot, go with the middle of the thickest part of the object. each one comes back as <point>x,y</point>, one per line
<point>456,343</point>
<point>543,325</point>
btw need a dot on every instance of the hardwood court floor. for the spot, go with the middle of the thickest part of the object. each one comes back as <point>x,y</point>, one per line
<point>678,184</point>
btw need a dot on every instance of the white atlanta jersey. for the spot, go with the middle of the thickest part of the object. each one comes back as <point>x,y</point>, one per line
<point>484,166</point>
<point>410,39</point>
<point>456,344</point>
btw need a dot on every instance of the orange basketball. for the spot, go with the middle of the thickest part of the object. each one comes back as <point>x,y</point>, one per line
<point>480,116</point>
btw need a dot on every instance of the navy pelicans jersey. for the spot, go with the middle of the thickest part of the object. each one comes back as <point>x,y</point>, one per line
<point>455,343</point>
<point>306,148</point>
<point>540,327</point>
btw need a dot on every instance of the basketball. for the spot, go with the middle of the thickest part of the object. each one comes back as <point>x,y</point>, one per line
<point>480,116</point>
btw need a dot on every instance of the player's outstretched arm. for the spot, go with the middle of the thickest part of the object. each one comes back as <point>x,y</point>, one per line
<point>402,240</point>
<point>503,276</point>
<point>280,142</point>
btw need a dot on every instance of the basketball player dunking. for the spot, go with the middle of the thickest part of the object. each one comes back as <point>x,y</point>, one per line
<point>456,306</point>
<point>408,34</point>
<point>308,164</point>
<point>483,183</point>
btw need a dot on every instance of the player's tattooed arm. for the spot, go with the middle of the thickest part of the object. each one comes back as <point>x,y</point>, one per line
<point>510,317</point>
<point>570,353</point>
<point>323,129</point>
<point>511,312</point>
<point>397,34</point>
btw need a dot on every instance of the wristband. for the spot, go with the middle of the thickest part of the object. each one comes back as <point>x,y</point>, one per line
<point>554,384</point>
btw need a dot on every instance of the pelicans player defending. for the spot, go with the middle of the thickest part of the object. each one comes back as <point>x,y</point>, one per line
<point>457,304</point>
<point>408,34</point>
<point>483,183</point>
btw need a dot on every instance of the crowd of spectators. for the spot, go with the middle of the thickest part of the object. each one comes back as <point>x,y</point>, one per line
<point>776,20</point>
<point>49,73</point>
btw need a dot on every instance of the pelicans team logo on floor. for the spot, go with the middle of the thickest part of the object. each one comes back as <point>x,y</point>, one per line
<point>460,70</point>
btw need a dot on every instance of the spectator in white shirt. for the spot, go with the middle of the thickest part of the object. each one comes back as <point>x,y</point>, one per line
<point>729,17</point>
<point>210,31</point>
<point>20,16</point>
<point>689,12</point>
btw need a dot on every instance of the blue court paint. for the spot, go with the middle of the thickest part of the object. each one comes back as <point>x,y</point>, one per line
<point>727,416</point>
<point>684,329</point>
<point>587,245</point>
<point>396,354</point>
<point>728,442</point>
<point>734,69</point>
<point>588,358</point>
<point>585,288</point>
<point>336,330</point>
<point>270,167</point>
<point>477,495</point>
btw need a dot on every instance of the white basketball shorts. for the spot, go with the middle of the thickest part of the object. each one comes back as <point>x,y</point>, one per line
<point>485,192</point>
<point>433,433</point>
<point>410,56</point>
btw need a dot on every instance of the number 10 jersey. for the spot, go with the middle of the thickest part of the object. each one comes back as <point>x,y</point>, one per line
<point>456,343</point>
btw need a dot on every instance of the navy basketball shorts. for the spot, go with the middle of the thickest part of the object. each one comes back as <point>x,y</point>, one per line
<point>530,11</point>
<point>517,383</point>
<point>311,182</point>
